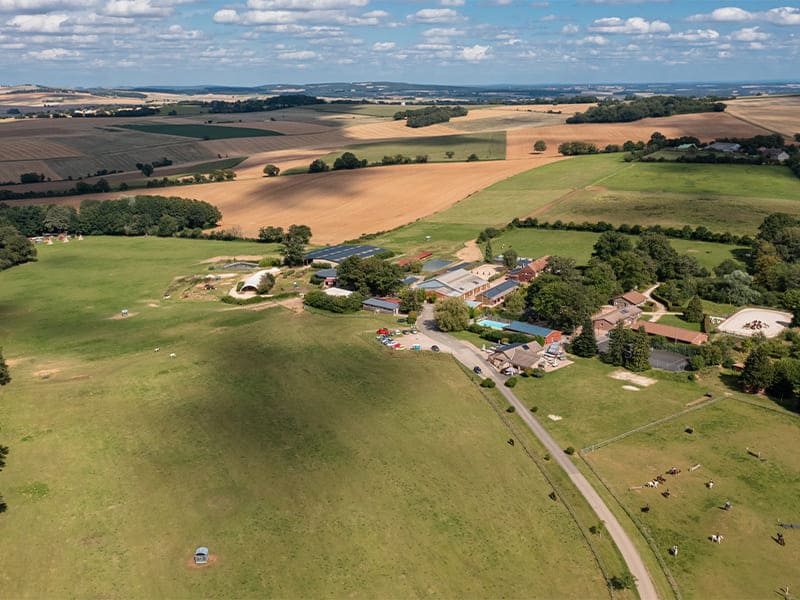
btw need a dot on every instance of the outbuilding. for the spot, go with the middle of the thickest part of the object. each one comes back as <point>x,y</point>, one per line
<point>388,306</point>
<point>549,335</point>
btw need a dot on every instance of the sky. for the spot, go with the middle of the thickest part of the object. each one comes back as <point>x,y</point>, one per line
<point>252,42</point>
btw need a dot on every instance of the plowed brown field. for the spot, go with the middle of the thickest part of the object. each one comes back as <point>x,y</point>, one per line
<point>706,126</point>
<point>780,114</point>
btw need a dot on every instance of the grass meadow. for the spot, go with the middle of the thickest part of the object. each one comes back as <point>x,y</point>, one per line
<point>203,132</point>
<point>311,460</point>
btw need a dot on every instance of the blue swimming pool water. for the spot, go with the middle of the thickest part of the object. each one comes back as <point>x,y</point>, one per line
<point>492,324</point>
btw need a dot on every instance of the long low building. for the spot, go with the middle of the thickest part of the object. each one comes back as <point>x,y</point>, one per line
<point>494,296</point>
<point>549,335</point>
<point>336,254</point>
<point>456,284</point>
<point>673,334</point>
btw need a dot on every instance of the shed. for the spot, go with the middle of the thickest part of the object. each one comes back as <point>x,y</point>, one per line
<point>382,305</point>
<point>549,335</point>
<point>674,334</point>
<point>201,555</point>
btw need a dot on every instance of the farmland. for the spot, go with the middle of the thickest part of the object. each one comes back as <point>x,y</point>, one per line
<point>204,132</point>
<point>130,459</point>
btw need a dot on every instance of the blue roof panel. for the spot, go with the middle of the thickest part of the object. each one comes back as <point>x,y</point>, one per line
<point>378,303</point>
<point>435,265</point>
<point>527,328</point>
<point>499,290</point>
<point>339,253</point>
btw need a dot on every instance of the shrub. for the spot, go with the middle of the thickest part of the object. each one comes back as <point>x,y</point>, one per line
<point>241,301</point>
<point>239,286</point>
<point>569,450</point>
<point>510,409</point>
<point>537,372</point>
<point>546,456</point>
<point>271,171</point>
<point>534,409</point>
<point>472,157</point>
<point>625,581</point>
<point>269,261</point>
<point>511,382</point>
<point>488,383</point>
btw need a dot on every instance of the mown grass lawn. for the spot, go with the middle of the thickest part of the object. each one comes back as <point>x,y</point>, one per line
<point>310,459</point>
<point>748,563</point>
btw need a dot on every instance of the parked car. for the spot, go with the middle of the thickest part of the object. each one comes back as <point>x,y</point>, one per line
<point>477,370</point>
<point>435,348</point>
<point>382,331</point>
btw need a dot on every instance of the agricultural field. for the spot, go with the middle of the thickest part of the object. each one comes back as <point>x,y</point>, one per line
<point>393,477</point>
<point>749,563</point>
<point>204,132</point>
<point>780,114</point>
<point>487,146</point>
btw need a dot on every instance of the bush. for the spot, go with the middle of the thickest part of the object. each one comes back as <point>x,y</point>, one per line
<point>318,166</point>
<point>241,301</point>
<point>569,450</point>
<point>547,456</point>
<point>534,409</point>
<point>239,286</point>
<point>511,382</point>
<point>488,383</point>
<point>472,157</point>
<point>510,409</point>
<point>271,171</point>
<point>537,372</point>
<point>269,261</point>
<point>622,582</point>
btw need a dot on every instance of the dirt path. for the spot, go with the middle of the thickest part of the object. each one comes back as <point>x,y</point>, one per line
<point>469,356</point>
<point>470,252</point>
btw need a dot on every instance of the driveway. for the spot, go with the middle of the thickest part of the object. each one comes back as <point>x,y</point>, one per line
<point>470,356</point>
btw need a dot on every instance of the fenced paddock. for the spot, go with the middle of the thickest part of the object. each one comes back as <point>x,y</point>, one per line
<point>750,321</point>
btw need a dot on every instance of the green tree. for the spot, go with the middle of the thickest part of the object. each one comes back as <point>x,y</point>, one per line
<point>626,581</point>
<point>411,300</point>
<point>292,249</point>
<point>640,352</point>
<point>265,284</point>
<point>514,303</point>
<point>167,226</point>
<point>617,338</point>
<point>5,376</point>
<point>369,276</point>
<point>585,344</point>
<point>302,232</point>
<point>758,371</point>
<point>57,218</point>
<point>146,169</point>
<point>562,304</point>
<point>451,314</point>
<point>270,234</point>
<point>271,170</point>
<point>15,248</point>
<point>318,166</point>
<point>539,146</point>
<point>472,157</point>
<point>791,301</point>
<point>633,269</point>
<point>611,243</point>
<point>510,257</point>
<point>488,252</point>
<point>348,160</point>
<point>693,313</point>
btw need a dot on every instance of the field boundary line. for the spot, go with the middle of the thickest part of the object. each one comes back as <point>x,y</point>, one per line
<point>586,536</point>
<point>777,409</point>
<point>754,123</point>
<point>621,436</point>
<point>641,527</point>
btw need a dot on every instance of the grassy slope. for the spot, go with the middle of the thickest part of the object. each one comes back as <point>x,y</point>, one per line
<point>210,132</point>
<point>310,459</point>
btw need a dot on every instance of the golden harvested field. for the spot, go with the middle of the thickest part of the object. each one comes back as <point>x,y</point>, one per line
<point>706,126</point>
<point>780,114</point>
<point>343,204</point>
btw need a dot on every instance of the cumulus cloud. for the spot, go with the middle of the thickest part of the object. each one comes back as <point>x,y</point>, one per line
<point>475,53</point>
<point>451,2</point>
<point>41,6</point>
<point>226,15</point>
<point>624,1</point>
<point>135,8</point>
<point>53,54</point>
<point>749,34</point>
<point>383,46</point>
<point>298,55</point>
<point>597,40</point>
<point>570,29</point>
<point>176,32</point>
<point>435,15</point>
<point>443,32</point>
<point>783,15</point>
<point>305,4</point>
<point>39,23</point>
<point>695,35</point>
<point>634,25</point>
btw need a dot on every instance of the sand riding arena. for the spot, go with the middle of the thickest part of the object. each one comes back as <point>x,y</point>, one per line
<point>751,321</point>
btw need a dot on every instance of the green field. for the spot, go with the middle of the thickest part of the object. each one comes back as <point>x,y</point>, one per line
<point>215,165</point>
<point>488,146</point>
<point>310,459</point>
<point>183,109</point>
<point>203,132</point>
<point>748,563</point>
<point>369,110</point>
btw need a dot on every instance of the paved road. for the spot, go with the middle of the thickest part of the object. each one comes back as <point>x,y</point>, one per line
<point>660,309</point>
<point>471,357</point>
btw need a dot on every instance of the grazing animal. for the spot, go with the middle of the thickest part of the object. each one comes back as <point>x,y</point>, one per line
<point>717,538</point>
<point>710,483</point>
<point>674,551</point>
<point>665,493</point>
<point>510,441</point>
<point>172,355</point>
<point>157,349</point>
<point>646,508</point>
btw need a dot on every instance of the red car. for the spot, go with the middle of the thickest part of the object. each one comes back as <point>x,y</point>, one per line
<point>382,331</point>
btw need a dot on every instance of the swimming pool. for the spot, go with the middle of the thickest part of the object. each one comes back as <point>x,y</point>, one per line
<point>491,324</point>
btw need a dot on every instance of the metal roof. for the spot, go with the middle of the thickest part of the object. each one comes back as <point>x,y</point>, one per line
<point>435,265</point>
<point>378,303</point>
<point>410,279</point>
<point>326,273</point>
<point>501,289</point>
<point>338,253</point>
<point>527,328</point>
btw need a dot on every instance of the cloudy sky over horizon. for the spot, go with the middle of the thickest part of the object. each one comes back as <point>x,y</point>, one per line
<point>183,42</point>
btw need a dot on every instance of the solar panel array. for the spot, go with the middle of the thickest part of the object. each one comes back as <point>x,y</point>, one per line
<point>337,254</point>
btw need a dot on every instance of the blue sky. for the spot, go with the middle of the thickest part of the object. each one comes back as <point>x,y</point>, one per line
<point>183,42</point>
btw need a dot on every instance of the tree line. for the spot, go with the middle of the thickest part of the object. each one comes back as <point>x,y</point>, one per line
<point>430,115</point>
<point>623,111</point>
<point>262,104</point>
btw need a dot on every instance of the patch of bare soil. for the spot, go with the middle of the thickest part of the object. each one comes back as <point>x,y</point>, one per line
<point>470,252</point>
<point>46,373</point>
<point>639,380</point>
<point>216,259</point>
<point>120,316</point>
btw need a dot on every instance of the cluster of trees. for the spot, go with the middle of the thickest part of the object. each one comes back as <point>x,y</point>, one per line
<point>148,168</point>
<point>779,376</point>
<point>430,115</point>
<point>348,160</point>
<point>261,104</point>
<point>401,159</point>
<point>139,215</point>
<point>618,111</point>
<point>576,148</point>
<point>293,242</point>
<point>79,189</point>
<point>15,248</point>
<point>371,276</point>
<point>451,314</point>
<point>31,177</point>
<point>336,304</point>
<point>628,348</point>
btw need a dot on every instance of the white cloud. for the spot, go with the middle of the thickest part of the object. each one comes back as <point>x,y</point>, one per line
<point>783,15</point>
<point>305,4</point>
<point>756,46</point>
<point>435,15</point>
<point>695,35</point>
<point>728,13</point>
<point>624,1</point>
<point>749,34</point>
<point>298,55</point>
<point>634,25</point>
<point>53,54</point>
<point>451,2</point>
<point>383,46</point>
<point>176,32</point>
<point>443,32</point>
<point>570,29</point>
<point>135,8</point>
<point>598,40</point>
<point>475,53</point>
<point>226,15</point>
<point>39,23</point>
<point>723,54</point>
<point>40,6</point>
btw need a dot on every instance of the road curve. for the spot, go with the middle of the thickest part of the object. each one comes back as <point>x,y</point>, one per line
<point>470,357</point>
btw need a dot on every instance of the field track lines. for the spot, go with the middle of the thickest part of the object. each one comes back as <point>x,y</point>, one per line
<point>753,123</point>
